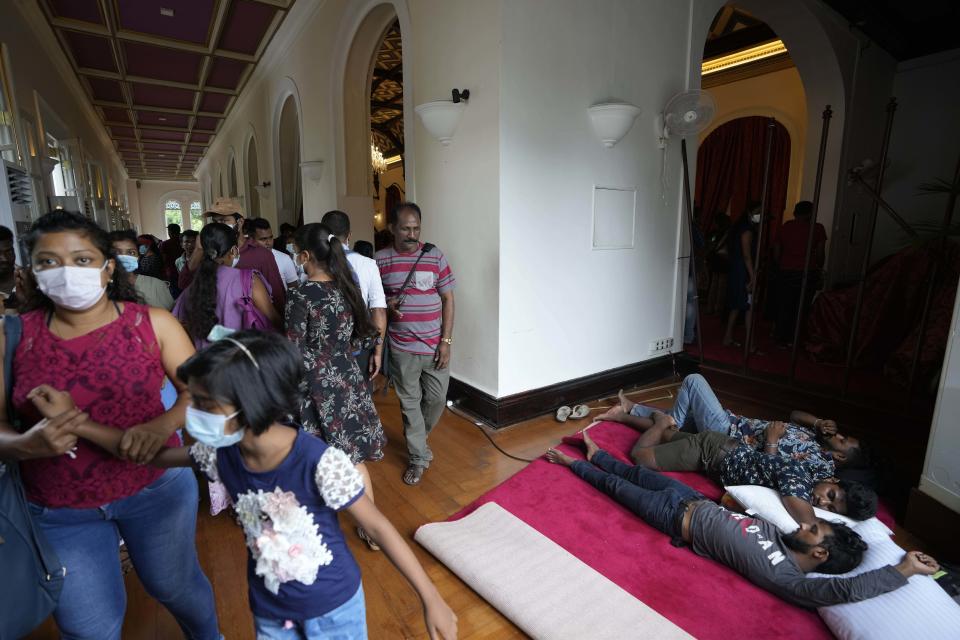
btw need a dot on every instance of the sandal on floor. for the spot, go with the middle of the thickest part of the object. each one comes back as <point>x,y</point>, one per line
<point>413,474</point>
<point>366,538</point>
<point>563,413</point>
<point>580,411</point>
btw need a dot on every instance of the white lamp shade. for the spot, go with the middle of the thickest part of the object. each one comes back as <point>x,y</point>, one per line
<point>441,118</point>
<point>612,121</point>
<point>312,170</point>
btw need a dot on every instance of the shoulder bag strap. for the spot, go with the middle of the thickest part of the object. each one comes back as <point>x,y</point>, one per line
<point>427,248</point>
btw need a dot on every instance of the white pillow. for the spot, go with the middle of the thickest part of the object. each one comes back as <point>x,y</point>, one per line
<point>766,503</point>
<point>919,609</point>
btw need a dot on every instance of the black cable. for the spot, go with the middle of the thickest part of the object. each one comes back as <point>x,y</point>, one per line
<point>497,447</point>
<point>457,411</point>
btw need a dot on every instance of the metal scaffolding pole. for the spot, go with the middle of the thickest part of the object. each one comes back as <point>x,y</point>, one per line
<point>824,132</point>
<point>757,267</point>
<point>865,263</point>
<point>693,254</point>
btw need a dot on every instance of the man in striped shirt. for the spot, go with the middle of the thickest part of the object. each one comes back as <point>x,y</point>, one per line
<point>419,285</point>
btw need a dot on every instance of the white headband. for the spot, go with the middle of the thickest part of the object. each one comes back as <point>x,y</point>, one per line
<point>245,350</point>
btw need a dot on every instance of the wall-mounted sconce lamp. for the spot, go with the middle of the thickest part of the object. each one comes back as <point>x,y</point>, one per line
<point>312,170</point>
<point>442,117</point>
<point>612,120</point>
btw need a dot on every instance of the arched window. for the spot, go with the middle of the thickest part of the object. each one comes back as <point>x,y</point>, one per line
<point>196,215</point>
<point>173,213</point>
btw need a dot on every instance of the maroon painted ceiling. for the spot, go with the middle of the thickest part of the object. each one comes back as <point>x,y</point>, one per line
<point>163,83</point>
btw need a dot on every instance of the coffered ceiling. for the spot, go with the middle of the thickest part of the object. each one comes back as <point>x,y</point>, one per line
<point>163,75</point>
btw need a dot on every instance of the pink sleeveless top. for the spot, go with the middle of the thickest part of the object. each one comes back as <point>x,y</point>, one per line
<point>114,373</point>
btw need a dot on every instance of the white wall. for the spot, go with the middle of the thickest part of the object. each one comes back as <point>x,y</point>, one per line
<point>457,43</point>
<point>146,203</point>
<point>924,145</point>
<point>780,95</point>
<point>941,469</point>
<point>567,310</point>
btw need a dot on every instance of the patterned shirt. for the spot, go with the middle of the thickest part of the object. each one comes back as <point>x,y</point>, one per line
<point>798,443</point>
<point>418,331</point>
<point>746,465</point>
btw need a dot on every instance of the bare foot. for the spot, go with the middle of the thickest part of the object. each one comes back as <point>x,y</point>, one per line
<point>614,414</point>
<point>591,446</point>
<point>556,457</point>
<point>625,403</point>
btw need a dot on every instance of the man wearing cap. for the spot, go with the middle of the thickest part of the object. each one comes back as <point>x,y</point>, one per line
<point>226,211</point>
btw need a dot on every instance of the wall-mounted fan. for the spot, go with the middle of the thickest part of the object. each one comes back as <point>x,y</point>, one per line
<point>685,114</point>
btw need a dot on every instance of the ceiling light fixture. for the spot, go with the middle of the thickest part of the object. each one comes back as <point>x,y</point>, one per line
<point>167,12</point>
<point>738,58</point>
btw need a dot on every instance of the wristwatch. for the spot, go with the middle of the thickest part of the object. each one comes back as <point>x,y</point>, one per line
<point>447,341</point>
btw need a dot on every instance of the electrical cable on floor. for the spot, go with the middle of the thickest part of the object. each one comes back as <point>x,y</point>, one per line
<point>479,425</point>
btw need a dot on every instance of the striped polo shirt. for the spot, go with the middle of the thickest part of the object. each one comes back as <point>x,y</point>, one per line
<point>419,330</point>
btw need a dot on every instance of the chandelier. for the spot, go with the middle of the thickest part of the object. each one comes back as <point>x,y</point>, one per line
<point>377,160</point>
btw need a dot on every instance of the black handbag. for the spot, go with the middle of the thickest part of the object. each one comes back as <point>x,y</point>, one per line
<point>32,573</point>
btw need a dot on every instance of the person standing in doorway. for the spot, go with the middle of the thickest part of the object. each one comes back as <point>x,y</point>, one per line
<point>418,284</point>
<point>188,241</point>
<point>741,244</point>
<point>371,289</point>
<point>170,250</point>
<point>790,254</point>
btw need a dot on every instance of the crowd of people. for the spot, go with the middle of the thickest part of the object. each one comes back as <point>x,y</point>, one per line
<point>263,350</point>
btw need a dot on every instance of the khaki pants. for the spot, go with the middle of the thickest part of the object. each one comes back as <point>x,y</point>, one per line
<point>422,390</point>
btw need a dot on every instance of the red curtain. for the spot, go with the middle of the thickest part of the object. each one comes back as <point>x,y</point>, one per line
<point>730,170</point>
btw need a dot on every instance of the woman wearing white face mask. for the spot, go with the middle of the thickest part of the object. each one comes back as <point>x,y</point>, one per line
<point>83,330</point>
<point>151,291</point>
<point>221,294</point>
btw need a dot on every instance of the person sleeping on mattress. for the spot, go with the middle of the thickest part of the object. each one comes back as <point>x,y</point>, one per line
<point>816,441</point>
<point>752,547</point>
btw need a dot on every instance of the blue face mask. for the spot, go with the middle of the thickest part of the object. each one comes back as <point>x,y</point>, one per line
<point>142,249</point>
<point>129,263</point>
<point>208,428</point>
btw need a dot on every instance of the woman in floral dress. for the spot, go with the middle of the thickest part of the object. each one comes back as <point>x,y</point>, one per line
<point>326,318</point>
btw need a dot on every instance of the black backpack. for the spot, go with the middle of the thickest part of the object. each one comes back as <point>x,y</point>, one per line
<point>32,574</point>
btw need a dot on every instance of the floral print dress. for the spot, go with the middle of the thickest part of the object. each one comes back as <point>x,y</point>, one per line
<point>335,398</point>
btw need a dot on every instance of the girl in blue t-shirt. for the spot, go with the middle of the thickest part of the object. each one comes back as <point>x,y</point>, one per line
<point>286,486</point>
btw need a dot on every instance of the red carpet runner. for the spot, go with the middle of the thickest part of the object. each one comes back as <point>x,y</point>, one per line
<point>704,598</point>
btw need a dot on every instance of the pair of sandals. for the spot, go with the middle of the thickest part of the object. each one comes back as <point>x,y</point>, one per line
<point>577,412</point>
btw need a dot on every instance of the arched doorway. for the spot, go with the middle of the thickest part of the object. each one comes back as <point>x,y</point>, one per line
<point>374,110</point>
<point>232,176</point>
<point>287,160</point>
<point>253,179</point>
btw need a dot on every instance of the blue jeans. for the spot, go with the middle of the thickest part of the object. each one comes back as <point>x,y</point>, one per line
<point>158,525</point>
<point>696,409</point>
<point>346,622</point>
<point>660,501</point>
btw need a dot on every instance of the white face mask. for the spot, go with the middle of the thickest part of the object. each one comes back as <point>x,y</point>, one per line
<point>236,260</point>
<point>290,248</point>
<point>209,428</point>
<point>755,218</point>
<point>74,288</point>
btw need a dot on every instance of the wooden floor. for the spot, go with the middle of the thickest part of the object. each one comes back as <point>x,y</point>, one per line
<point>465,466</point>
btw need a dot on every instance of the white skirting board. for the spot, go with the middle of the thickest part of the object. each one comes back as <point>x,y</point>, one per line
<point>541,587</point>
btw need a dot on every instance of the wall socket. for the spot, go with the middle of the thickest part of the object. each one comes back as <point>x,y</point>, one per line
<point>661,346</point>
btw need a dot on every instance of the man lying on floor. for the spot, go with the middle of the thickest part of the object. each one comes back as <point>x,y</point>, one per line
<point>783,457</point>
<point>801,483</point>
<point>754,548</point>
<point>698,409</point>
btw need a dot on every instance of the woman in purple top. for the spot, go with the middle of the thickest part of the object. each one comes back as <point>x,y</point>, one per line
<point>220,294</point>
